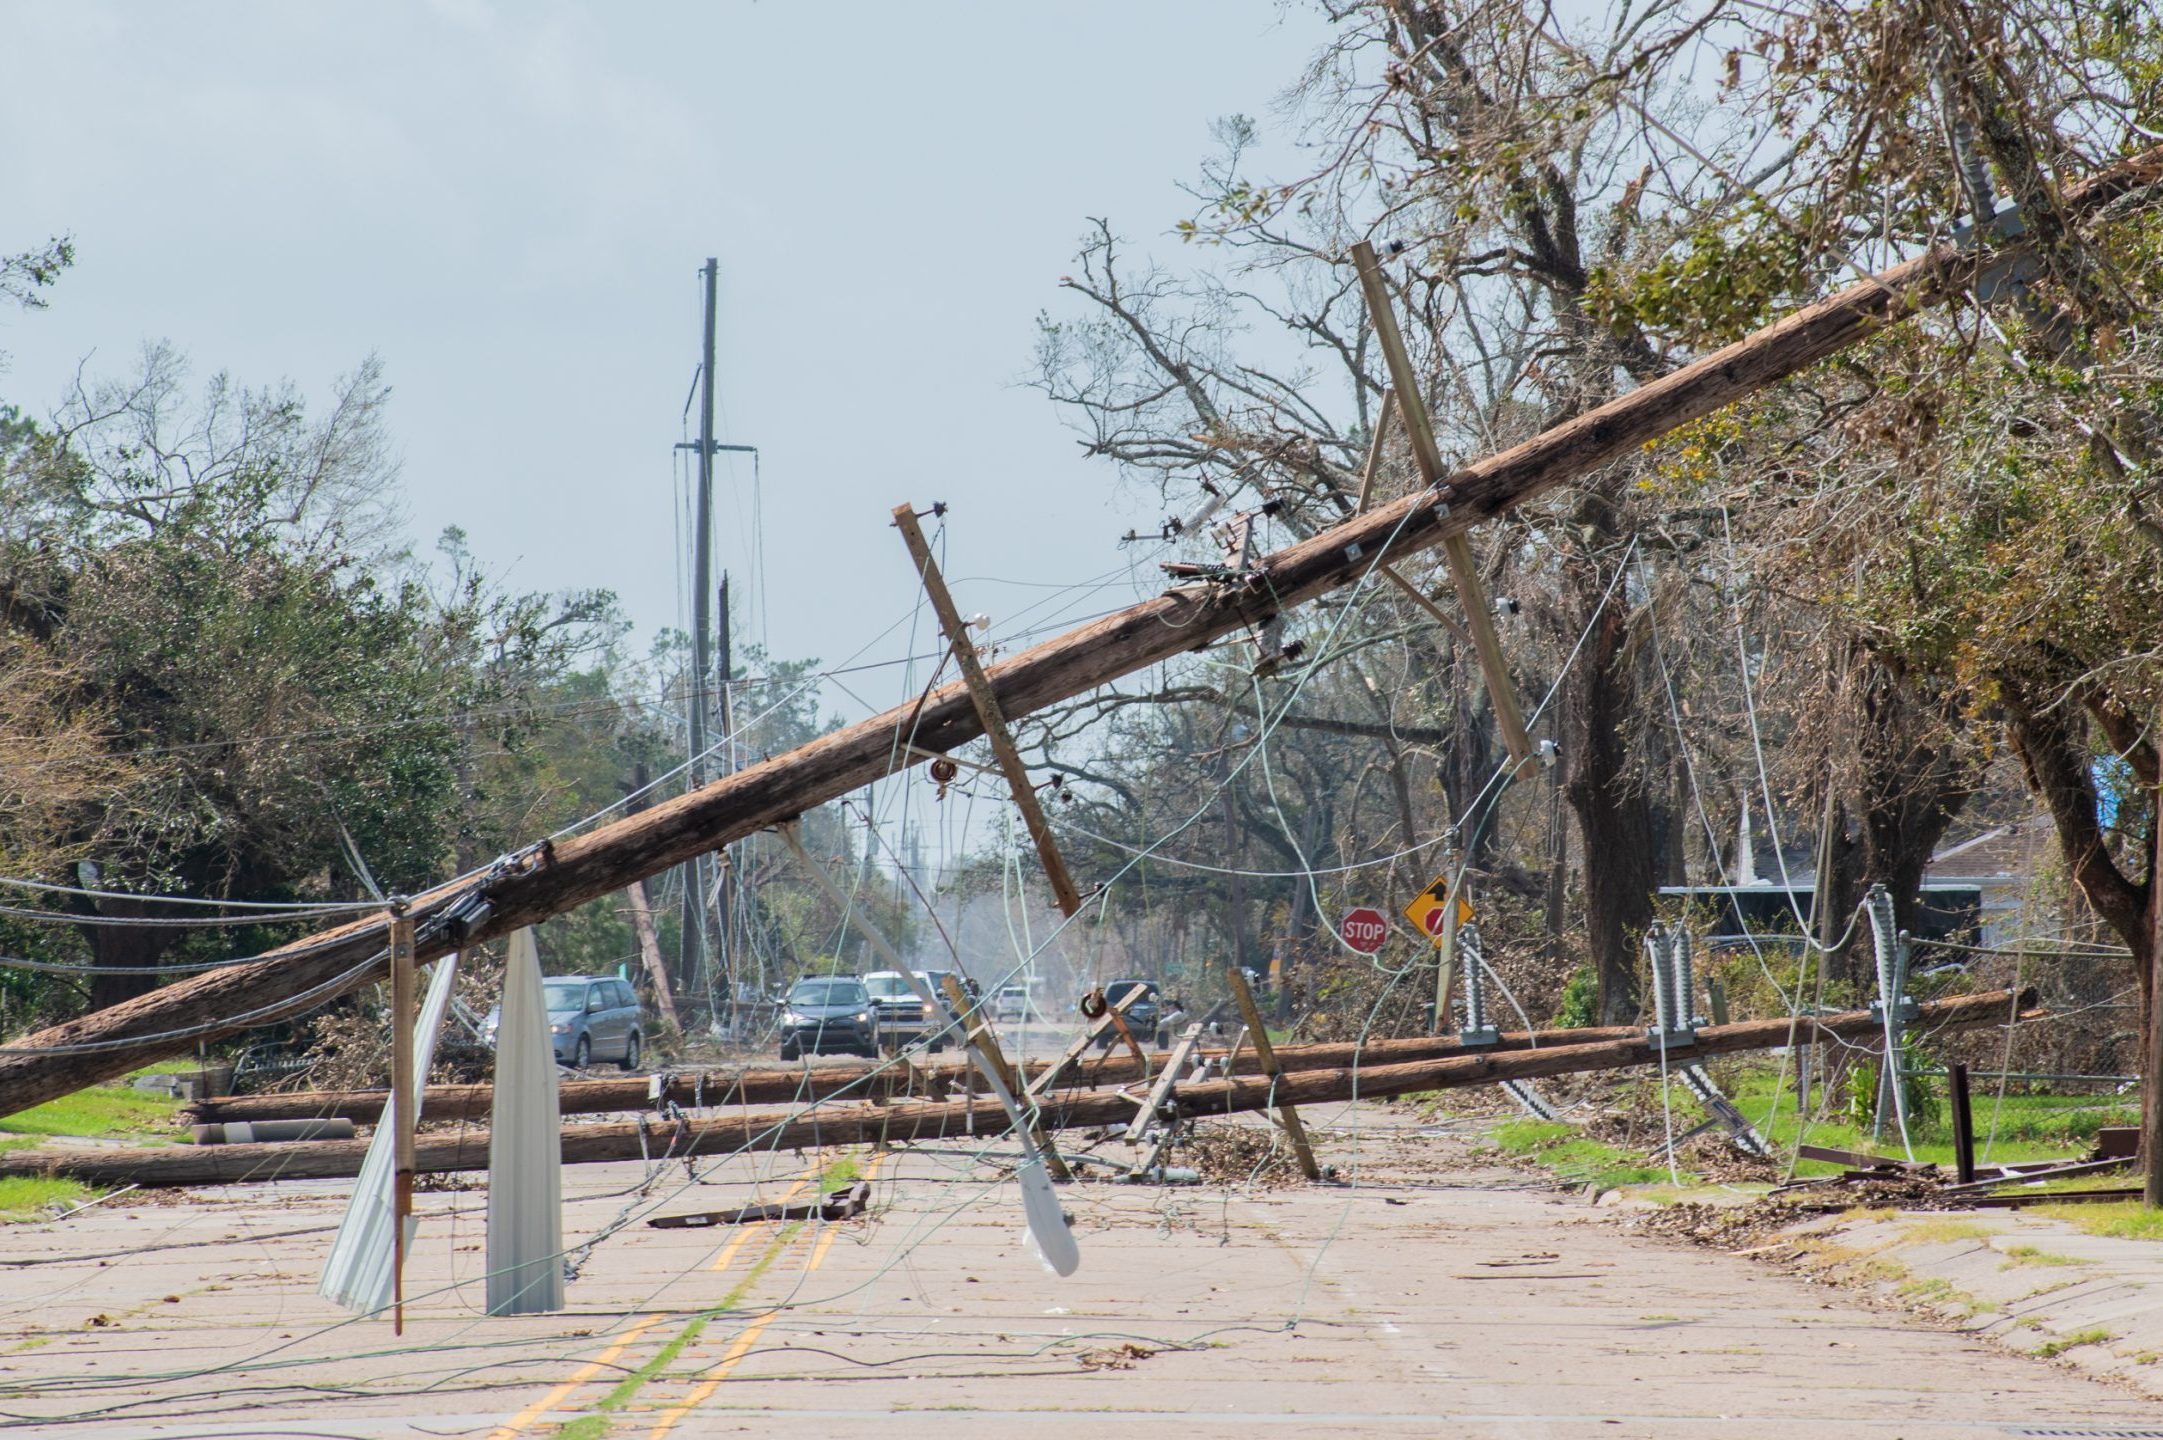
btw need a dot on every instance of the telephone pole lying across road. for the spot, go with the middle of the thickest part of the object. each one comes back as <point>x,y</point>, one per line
<point>549,879</point>
<point>810,1126</point>
<point>784,1085</point>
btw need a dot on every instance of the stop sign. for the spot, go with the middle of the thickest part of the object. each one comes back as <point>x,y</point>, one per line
<point>1364,929</point>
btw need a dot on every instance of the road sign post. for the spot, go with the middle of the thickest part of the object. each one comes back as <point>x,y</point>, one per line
<point>1431,913</point>
<point>1437,911</point>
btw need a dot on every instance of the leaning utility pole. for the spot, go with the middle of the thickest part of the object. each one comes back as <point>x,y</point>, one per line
<point>554,876</point>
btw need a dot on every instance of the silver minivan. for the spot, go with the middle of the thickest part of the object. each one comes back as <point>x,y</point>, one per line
<point>590,1017</point>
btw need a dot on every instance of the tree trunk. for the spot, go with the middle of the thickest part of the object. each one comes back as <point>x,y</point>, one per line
<point>2151,1075</point>
<point>1915,779</point>
<point>1838,891</point>
<point>2051,738</point>
<point>125,948</point>
<point>1614,817</point>
<point>649,950</point>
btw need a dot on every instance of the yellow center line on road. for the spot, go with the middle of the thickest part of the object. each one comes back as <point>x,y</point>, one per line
<point>511,1428</point>
<point>743,1343</point>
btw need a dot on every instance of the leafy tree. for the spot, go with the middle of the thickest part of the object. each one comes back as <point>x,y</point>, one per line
<point>297,717</point>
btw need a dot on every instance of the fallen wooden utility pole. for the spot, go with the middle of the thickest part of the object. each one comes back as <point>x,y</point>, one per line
<point>1456,549</point>
<point>553,877</point>
<point>841,1205</point>
<point>766,1132</point>
<point>787,1086</point>
<point>988,713</point>
<point>984,1050</point>
<point>1265,1056</point>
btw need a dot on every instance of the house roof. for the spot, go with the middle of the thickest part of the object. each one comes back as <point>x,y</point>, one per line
<point>2008,852</point>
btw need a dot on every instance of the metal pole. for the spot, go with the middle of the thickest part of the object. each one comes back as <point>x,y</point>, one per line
<point>1963,1126</point>
<point>692,971</point>
<point>1663,1011</point>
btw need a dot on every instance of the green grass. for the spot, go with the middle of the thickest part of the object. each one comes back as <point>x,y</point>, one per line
<point>2019,1255</point>
<point>2094,1335</point>
<point>2028,1127</point>
<point>840,1175</point>
<point>1940,1293</point>
<point>106,1111</point>
<point>1945,1232</point>
<point>2120,1220</point>
<point>26,1197</point>
<point>1576,1158</point>
<point>2089,1181</point>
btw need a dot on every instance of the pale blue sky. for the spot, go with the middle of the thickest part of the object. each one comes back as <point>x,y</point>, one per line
<point>510,202</point>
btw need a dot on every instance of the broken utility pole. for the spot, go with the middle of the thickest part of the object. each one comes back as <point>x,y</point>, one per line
<point>984,1048</point>
<point>781,1085</point>
<point>810,1126</point>
<point>1479,617</point>
<point>555,876</point>
<point>1295,1129</point>
<point>649,953</point>
<point>977,1043</point>
<point>986,701</point>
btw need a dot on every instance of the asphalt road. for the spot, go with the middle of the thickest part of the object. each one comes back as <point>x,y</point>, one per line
<point>1434,1292</point>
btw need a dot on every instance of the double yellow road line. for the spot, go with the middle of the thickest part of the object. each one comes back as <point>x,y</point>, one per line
<point>510,1428</point>
<point>748,1337</point>
<point>779,1246</point>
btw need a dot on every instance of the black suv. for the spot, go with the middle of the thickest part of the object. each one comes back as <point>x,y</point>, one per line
<point>1142,1016</point>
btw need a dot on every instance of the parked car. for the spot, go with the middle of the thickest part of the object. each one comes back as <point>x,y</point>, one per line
<point>590,1017</point>
<point>1142,1016</point>
<point>1011,1002</point>
<point>902,1017</point>
<point>829,1012</point>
